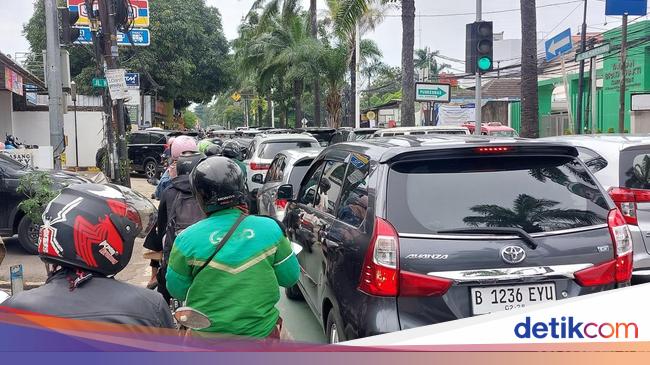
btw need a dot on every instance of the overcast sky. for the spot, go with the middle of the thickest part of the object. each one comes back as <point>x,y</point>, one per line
<point>440,24</point>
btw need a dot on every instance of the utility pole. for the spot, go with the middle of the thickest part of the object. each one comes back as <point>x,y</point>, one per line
<point>594,97</point>
<point>477,103</point>
<point>621,108</point>
<point>109,31</point>
<point>581,73</point>
<point>54,84</point>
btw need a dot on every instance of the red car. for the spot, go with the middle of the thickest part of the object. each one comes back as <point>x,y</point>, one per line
<point>495,129</point>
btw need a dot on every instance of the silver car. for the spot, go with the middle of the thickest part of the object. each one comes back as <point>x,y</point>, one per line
<point>288,167</point>
<point>621,163</point>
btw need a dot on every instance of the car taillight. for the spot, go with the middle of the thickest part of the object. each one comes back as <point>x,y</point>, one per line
<point>381,275</point>
<point>379,271</point>
<point>259,166</point>
<point>626,200</point>
<point>618,270</point>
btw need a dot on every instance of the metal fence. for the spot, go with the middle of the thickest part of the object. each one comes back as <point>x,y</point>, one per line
<point>554,125</point>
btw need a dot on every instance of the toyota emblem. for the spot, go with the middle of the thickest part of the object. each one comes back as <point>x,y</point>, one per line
<point>513,254</point>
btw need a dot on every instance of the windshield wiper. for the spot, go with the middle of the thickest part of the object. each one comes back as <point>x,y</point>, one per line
<point>528,239</point>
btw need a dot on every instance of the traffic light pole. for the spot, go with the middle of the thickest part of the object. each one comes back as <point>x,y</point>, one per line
<point>477,103</point>
<point>54,84</point>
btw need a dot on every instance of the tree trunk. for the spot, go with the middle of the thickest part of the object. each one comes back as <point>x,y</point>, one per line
<point>529,100</point>
<point>314,33</point>
<point>269,103</point>
<point>260,111</point>
<point>333,105</point>
<point>297,100</point>
<point>284,115</point>
<point>408,68</point>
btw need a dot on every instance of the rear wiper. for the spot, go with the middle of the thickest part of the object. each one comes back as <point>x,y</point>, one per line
<point>528,239</point>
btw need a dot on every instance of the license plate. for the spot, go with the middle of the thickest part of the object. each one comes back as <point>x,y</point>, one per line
<point>490,299</point>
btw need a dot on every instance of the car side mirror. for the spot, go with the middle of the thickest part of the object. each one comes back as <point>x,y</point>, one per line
<point>258,178</point>
<point>285,192</point>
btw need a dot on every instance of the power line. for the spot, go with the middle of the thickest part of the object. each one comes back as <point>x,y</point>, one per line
<point>485,12</point>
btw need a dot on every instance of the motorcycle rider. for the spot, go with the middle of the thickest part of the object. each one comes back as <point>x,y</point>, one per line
<point>86,239</point>
<point>229,266</point>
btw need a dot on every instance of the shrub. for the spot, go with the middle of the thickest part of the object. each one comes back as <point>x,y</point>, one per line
<point>38,187</point>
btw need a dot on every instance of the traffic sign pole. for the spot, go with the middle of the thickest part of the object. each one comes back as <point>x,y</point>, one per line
<point>581,72</point>
<point>478,104</point>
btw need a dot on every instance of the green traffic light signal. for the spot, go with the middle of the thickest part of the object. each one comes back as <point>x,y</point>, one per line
<point>484,63</point>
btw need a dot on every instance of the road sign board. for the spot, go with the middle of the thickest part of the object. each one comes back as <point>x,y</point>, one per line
<point>436,92</point>
<point>132,80</point>
<point>139,12</point>
<point>596,51</point>
<point>117,83</point>
<point>558,45</point>
<point>140,37</point>
<point>371,115</point>
<point>235,96</point>
<point>631,7</point>
<point>99,82</point>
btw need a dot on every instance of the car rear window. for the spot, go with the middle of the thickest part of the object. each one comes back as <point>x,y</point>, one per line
<point>361,135</point>
<point>536,194</point>
<point>268,150</point>
<point>635,169</point>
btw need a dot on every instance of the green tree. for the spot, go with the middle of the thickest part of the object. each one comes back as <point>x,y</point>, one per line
<point>426,60</point>
<point>188,55</point>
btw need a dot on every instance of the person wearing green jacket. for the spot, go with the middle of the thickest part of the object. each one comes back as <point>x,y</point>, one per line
<point>237,289</point>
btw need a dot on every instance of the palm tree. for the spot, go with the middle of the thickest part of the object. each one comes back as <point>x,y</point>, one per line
<point>426,60</point>
<point>334,68</point>
<point>529,100</point>
<point>313,25</point>
<point>408,69</point>
<point>531,215</point>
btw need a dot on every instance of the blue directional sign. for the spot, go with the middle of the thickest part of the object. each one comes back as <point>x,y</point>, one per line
<point>140,37</point>
<point>629,7</point>
<point>558,45</point>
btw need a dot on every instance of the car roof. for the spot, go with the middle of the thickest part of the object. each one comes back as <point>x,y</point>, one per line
<point>422,128</point>
<point>286,137</point>
<point>603,141</point>
<point>383,149</point>
<point>358,129</point>
<point>300,153</point>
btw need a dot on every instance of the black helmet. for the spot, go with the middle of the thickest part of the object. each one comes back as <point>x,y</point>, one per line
<point>231,150</point>
<point>214,150</point>
<point>218,183</point>
<point>187,161</point>
<point>93,227</point>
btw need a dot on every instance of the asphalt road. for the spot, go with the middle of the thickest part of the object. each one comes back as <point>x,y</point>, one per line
<point>298,318</point>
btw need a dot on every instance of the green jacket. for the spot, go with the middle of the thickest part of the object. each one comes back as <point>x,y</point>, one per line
<point>239,289</point>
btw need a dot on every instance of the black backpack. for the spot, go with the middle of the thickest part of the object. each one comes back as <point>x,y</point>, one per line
<point>184,212</point>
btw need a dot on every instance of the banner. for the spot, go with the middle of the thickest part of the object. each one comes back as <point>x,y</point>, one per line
<point>13,81</point>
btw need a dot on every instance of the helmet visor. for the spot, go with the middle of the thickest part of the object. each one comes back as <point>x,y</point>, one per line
<point>143,208</point>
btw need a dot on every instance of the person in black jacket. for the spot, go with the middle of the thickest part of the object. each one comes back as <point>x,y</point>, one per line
<point>86,239</point>
<point>178,209</point>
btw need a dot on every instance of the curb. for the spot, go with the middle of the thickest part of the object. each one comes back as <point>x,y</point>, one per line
<point>28,285</point>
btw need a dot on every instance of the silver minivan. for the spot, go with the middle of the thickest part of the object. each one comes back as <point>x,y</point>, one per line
<point>621,163</point>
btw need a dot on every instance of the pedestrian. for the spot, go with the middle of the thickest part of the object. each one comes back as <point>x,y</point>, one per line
<point>87,238</point>
<point>229,266</point>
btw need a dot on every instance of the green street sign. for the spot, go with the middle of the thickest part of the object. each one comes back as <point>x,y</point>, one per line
<point>596,51</point>
<point>432,92</point>
<point>100,83</point>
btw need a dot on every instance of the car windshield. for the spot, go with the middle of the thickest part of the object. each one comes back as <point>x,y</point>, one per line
<point>10,162</point>
<point>361,135</point>
<point>536,194</point>
<point>268,150</point>
<point>504,134</point>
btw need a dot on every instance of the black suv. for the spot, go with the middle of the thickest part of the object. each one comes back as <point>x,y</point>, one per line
<point>12,219</point>
<point>397,233</point>
<point>347,134</point>
<point>145,149</point>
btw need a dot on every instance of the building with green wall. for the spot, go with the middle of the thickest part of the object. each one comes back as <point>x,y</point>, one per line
<point>637,80</point>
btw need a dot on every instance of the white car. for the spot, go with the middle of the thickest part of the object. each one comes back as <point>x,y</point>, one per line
<point>402,131</point>
<point>264,147</point>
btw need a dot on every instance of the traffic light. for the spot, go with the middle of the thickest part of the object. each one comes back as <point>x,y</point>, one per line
<point>69,34</point>
<point>479,47</point>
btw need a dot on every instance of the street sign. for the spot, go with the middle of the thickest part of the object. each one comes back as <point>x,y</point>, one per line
<point>436,92</point>
<point>140,37</point>
<point>558,45</point>
<point>99,82</point>
<point>371,115</point>
<point>596,51</point>
<point>629,7</point>
<point>235,96</point>
<point>132,80</point>
<point>139,12</point>
<point>117,83</point>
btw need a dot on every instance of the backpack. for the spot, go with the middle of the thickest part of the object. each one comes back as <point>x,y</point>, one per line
<point>184,212</point>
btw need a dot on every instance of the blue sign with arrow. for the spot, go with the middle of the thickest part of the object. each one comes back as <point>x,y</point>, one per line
<point>558,45</point>
<point>629,7</point>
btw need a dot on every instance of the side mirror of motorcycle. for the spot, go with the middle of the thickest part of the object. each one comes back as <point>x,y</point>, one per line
<point>258,178</point>
<point>191,318</point>
<point>285,192</point>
